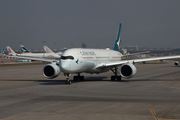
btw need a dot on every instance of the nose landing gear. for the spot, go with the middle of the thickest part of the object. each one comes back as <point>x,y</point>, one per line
<point>76,78</point>
<point>68,81</point>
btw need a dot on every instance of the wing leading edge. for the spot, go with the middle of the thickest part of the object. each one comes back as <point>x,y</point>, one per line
<point>110,64</point>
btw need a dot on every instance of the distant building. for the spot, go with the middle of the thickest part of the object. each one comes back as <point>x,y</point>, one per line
<point>142,56</point>
<point>125,52</point>
<point>130,47</point>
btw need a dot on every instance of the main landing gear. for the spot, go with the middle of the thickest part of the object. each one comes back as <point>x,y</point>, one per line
<point>115,77</point>
<point>68,81</point>
<point>78,78</point>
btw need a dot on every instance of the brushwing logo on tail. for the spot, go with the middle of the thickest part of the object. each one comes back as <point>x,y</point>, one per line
<point>24,50</point>
<point>2,51</point>
<point>118,40</point>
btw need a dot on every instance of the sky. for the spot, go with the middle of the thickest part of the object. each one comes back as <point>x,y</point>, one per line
<point>69,23</point>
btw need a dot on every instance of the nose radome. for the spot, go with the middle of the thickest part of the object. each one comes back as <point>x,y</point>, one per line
<point>64,66</point>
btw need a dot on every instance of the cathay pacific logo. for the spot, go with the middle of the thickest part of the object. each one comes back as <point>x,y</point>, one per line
<point>118,40</point>
<point>24,49</point>
<point>77,61</point>
<point>87,53</point>
<point>2,51</point>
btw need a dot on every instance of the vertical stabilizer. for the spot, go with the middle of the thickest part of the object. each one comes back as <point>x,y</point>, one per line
<point>2,51</point>
<point>48,50</point>
<point>118,40</point>
<point>24,49</point>
<point>10,51</point>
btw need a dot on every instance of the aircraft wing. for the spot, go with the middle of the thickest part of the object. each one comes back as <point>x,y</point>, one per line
<point>136,53</point>
<point>110,64</point>
<point>32,58</point>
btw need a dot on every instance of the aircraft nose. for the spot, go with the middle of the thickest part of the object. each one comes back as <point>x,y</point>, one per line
<point>64,66</point>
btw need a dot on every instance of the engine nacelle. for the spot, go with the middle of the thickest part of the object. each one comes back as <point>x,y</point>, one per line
<point>51,71</point>
<point>128,70</point>
<point>176,63</point>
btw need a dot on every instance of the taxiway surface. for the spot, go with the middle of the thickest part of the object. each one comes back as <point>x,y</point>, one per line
<point>154,93</point>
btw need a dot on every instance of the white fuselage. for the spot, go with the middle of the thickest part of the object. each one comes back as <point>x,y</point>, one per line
<point>40,55</point>
<point>86,60</point>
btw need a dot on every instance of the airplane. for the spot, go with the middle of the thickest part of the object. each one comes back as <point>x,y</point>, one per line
<point>27,53</point>
<point>48,50</point>
<point>78,60</point>
<point>24,49</point>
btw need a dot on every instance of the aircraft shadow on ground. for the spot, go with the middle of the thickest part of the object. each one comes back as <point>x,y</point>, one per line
<point>90,79</point>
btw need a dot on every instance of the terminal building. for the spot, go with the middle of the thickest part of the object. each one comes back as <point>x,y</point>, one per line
<point>130,47</point>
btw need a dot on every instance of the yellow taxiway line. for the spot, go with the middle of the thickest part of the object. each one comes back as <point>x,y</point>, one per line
<point>153,112</point>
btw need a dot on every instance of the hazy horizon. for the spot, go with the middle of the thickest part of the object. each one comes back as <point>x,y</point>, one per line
<point>62,23</point>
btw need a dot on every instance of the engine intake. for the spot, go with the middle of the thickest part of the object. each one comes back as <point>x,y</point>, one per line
<point>128,70</point>
<point>51,71</point>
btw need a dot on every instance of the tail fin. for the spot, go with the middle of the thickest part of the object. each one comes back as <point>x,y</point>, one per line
<point>2,51</point>
<point>24,49</point>
<point>118,40</point>
<point>48,50</point>
<point>10,51</point>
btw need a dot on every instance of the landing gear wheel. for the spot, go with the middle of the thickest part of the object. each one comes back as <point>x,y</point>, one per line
<point>68,81</point>
<point>78,78</point>
<point>119,78</point>
<point>113,78</point>
<point>81,78</point>
<point>75,78</point>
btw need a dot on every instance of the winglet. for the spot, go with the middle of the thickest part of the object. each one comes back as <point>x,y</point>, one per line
<point>118,40</point>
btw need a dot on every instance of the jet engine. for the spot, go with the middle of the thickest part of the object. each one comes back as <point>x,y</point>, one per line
<point>51,71</point>
<point>128,70</point>
<point>176,63</point>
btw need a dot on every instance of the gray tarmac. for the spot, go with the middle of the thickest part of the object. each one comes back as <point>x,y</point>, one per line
<point>153,94</point>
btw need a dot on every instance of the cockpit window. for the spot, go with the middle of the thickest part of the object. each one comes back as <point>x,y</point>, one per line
<point>67,57</point>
